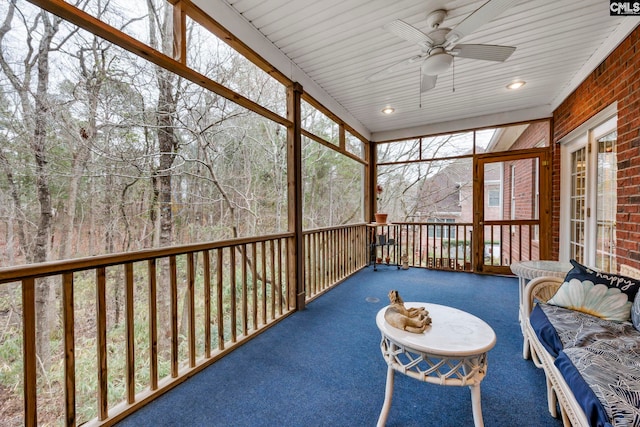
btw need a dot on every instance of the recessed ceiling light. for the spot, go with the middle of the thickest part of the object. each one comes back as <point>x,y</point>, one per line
<point>388,110</point>
<point>516,85</point>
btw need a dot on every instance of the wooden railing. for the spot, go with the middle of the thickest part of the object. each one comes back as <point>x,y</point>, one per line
<point>143,322</point>
<point>437,245</point>
<point>332,254</point>
<point>133,325</point>
<point>155,318</point>
<point>509,241</point>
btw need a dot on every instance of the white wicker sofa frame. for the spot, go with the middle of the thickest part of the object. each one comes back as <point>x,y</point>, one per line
<point>558,392</point>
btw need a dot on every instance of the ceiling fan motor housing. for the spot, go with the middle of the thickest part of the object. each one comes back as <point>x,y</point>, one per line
<point>435,18</point>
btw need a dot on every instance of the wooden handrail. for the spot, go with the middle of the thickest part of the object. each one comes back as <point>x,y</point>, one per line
<point>21,272</point>
<point>335,227</point>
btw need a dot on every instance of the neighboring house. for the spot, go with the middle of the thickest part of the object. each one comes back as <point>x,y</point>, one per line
<point>511,192</point>
<point>446,201</point>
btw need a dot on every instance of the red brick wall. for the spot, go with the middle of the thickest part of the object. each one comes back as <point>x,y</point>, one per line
<point>535,132</point>
<point>616,79</point>
<point>516,245</point>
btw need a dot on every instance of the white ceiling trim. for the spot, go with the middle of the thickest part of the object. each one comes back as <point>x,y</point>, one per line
<point>488,120</point>
<point>242,29</point>
<point>621,33</point>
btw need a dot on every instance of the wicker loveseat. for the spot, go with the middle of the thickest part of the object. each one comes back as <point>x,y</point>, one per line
<point>574,363</point>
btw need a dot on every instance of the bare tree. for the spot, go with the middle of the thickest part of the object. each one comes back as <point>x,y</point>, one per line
<point>422,190</point>
<point>35,112</point>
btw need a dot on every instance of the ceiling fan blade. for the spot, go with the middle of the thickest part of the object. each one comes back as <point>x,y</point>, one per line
<point>427,82</point>
<point>481,16</point>
<point>395,67</point>
<point>408,32</point>
<point>487,52</point>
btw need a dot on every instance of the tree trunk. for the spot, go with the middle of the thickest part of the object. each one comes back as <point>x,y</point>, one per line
<point>17,208</point>
<point>94,73</point>
<point>69,214</point>
<point>44,315</point>
<point>167,144</point>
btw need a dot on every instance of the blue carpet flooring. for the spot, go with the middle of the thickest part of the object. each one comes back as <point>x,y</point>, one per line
<point>323,367</point>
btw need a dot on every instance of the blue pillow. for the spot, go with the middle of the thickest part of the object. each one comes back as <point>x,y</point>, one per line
<point>605,295</point>
<point>635,312</point>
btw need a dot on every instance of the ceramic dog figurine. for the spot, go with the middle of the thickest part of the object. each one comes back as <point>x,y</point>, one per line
<point>414,319</point>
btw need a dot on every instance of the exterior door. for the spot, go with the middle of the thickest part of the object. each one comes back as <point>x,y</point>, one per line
<point>590,184</point>
<point>511,209</point>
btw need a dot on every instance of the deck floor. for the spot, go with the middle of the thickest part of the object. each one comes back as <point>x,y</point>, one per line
<point>323,367</point>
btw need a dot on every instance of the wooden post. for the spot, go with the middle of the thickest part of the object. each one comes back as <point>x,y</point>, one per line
<point>179,33</point>
<point>371,179</point>
<point>294,177</point>
<point>478,209</point>
<point>544,209</point>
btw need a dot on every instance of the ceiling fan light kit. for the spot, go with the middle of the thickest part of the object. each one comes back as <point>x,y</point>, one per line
<point>439,46</point>
<point>437,63</point>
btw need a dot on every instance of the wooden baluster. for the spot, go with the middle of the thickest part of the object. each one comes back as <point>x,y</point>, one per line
<point>337,244</point>
<point>272,259</point>
<point>173,292</point>
<point>309,267</point>
<point>245,311</point>
<point>334,256</point>
<point>287,283</point>
<point>263,300</point>
<point>206,265</point>
<point>318,261</point>
<point>278,275</point>
<point>341,261</point>
<point>29,351</point>
<point>101,343</point>
<point>153,326</point>
<point>513,237</point>
<point>69,349</point>
<point>322,260</point>
<point>130,329</point>
<point>254,277</point>
<point>191,319</point>
<point>433,226</point>
<point>491,252</point>
<point>232,294</point>
<point>219,299</point>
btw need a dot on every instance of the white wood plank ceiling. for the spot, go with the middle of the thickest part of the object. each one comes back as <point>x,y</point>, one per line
<point>333,46</point>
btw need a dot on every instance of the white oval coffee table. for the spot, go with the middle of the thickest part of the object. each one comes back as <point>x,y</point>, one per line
<point>452,351</point>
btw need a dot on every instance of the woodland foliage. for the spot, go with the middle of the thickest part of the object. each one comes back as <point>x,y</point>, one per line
<point>103,152</point>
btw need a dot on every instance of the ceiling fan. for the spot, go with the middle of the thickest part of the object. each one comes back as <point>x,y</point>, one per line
<point>439,45</point>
